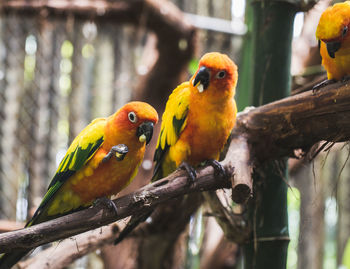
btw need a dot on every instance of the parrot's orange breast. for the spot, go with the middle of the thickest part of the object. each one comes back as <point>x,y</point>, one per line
<point>95,180</point>
<point>207,134</point>
<point>99,179</point>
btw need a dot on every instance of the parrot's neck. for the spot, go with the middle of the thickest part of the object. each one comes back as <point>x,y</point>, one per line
<point>215,98</point>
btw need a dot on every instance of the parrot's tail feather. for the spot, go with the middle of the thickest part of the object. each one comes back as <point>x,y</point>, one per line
<point>7,260</point>
<point>131,225</point>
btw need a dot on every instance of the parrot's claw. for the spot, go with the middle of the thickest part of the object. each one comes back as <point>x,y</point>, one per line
<point>345,78</point>
<point>322,84</point>
<point>219,170</point>
<point>107,202</point>
<point>190,171</point>
<point>119,151</point>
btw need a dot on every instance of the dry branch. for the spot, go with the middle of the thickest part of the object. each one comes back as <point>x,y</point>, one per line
<point>272,131</point>
<point>275,130</point>
<point>102,10</point>
<point>176,36</point>
<point>68,251</point>
<point>241,178</point>
<point>233,225</point>
<point>175,185</point>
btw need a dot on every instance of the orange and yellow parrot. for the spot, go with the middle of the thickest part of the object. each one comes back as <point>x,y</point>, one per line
<point>334,42</point>
<point>101,161</point>
<point>196,123</point>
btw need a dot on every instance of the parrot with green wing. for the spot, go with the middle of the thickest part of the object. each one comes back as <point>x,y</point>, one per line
<point>100,162</point>
<point>197,121</point>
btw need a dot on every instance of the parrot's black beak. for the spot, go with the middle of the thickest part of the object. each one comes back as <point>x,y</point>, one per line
<point>145,132</point>
<point>202,78</point>
<point>332,48</point>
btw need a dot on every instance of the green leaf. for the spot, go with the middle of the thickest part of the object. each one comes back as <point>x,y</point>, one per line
<point>346,255</point>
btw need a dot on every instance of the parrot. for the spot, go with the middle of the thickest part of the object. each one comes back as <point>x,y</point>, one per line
<point>100,162</point>
<point>198,118</point>
<point>333,38</point>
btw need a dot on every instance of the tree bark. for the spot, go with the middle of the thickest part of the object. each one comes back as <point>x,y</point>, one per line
<point>68,251</point>
<point>175,35</point>
<point>311,225</point>
<point>175,185</point>
<point>291,123</point>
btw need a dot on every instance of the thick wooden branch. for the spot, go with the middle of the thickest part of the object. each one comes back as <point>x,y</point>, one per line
<point>272,131</point>
<point>238,158</point>
<point>68,251</point>
<point>277,129</point>
<point>233,225</point>
<point>156,16</point>
<point>175,185</point>
<point>176,36</point>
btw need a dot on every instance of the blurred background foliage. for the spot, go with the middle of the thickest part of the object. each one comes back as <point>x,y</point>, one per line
<point>57,74</point>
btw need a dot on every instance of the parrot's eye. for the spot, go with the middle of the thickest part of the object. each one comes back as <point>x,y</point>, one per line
<point>132,117</point>
<point>221,74</point>
<point>345,31</point>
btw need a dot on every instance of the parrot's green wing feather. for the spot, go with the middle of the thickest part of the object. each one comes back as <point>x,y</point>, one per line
<point>78,154</point>
<point>173,122</point>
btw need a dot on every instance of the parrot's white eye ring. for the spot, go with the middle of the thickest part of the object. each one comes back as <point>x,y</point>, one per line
<point>221,74</point>
<point>132,117</point>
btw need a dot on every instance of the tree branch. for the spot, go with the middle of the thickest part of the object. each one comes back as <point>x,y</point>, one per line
<point>233,225</point>
<point>175,185</point>
<point>70,250</point>
<point>176,36</point>
<point>277,129</point>
<point>272,131</point>
<point>103,10</point>
<point>241,176</point>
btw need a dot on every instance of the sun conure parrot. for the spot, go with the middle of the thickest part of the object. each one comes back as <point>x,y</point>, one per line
<point>101,161</point>
<point>196,123</point>
<point>334,42</point>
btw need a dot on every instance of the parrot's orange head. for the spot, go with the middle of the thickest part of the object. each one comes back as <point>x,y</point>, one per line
<point>137,118</point>
<point>333,27</point>
<point>216,72</point>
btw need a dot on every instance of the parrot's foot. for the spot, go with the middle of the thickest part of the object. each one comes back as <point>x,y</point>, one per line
<point>190,171</point>
<point>322,84</point>
<point>107,202</point>
<point>345,78</point>
<point>219,170</point>
<point>119,151</point>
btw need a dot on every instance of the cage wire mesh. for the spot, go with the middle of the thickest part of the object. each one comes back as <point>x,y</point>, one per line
<point>59,73</point>
<point>56,75</point>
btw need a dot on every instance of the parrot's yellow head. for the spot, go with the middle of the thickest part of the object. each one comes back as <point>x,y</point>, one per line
<point>333,27</point>
<point>216,72</point>
<point>136,119</point>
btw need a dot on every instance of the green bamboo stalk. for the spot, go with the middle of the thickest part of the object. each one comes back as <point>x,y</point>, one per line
<point>272,36</point>
<point>245,75</point>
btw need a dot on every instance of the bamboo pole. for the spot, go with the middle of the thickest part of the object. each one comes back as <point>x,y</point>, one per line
<point>272,36</point>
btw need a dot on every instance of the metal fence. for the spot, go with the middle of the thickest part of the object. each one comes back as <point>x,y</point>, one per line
<point>56,75</point>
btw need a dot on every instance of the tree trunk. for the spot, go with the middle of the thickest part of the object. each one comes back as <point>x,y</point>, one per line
<point>311,224</point>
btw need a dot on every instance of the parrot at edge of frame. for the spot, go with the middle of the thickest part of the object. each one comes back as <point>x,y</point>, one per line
<point>100,162</point>
<point>334,42</point>
<point>197,121</point>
